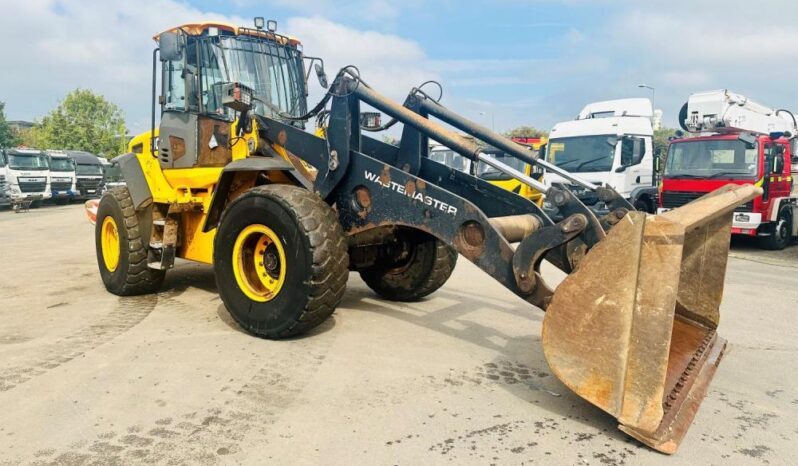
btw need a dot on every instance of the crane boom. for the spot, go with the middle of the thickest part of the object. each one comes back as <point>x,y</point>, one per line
<point>724,111</point>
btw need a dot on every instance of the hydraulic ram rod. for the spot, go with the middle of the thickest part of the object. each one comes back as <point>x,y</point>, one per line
<point>496,140</point>
<point>508,170</point>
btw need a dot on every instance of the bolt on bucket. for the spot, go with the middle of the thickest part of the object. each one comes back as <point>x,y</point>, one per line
<point>632,330</point>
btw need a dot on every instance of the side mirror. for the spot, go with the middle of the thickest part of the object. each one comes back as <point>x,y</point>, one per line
<point>321,75</point>
<point>778,164</point>
<point>171,46</point>
<point>747,138</point>
<point>632,151</point>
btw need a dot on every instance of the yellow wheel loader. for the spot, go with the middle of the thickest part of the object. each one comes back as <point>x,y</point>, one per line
<point>230,177</point>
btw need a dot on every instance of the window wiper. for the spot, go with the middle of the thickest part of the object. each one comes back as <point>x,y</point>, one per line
<point>682,175</point>
<point>726,173</point>
<point>583,163</point>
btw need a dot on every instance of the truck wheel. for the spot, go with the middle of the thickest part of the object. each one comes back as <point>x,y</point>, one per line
<point>122,247</point>
<point>62,201</point>
<point>643,204</point>
<point>780,232</point>
<point>281,260</point>
<point>422,264</point>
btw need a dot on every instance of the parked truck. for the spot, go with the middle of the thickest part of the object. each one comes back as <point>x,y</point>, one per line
<point>5,199</point>
<point>112,174</point>
<point>89,174</point>
<point>508,182</point>
<point>63,178</point>
<point>27,175</point>
<point>609,143</point>
<point>452,159</point>
<point>737,141</point>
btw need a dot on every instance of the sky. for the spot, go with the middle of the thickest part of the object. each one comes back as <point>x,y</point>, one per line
<point>503,62</point>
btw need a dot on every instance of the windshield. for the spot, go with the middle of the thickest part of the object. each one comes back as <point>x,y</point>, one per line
<point>724,158</point>
<point>113,173</point>
<point>583,153</point>
<point>451,159</point>
<point>28,161</point>
<point>274,72</point>
<point>62,165</point>
<point>487,172</point>
<point>89,169</point>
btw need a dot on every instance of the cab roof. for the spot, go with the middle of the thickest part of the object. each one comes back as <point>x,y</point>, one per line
<point>197,29</point>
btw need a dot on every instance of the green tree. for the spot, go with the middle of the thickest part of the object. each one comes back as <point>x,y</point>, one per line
<point>7,136</point>
<point>83,121</point>
<point>526,132</point>
<point>661,140</point>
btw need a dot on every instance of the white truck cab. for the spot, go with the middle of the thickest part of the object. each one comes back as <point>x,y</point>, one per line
<point>63,177</point>
<point>27,175</point>
<point>609,143</point>
<point>450,158</point>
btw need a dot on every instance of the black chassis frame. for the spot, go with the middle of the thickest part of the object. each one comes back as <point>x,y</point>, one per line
<point>376,185</point>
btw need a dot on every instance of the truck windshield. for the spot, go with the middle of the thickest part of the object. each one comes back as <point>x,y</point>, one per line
<point>486,172</point>
<point>27,161</point>
<point>62,165</point>
<point>719,158</point>
<point>88,169</point>
<point>582,153</point>
<point>451,159</point>
<point>113,173</point>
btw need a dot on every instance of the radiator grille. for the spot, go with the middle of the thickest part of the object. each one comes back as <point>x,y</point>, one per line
<point>673,199</point>
<point>28,187</point>
<point>61,186</point>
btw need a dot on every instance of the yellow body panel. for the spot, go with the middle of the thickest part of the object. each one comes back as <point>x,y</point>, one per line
<point>190,186</point>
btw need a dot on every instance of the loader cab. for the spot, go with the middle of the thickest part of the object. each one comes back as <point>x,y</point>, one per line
<point>198,64</point>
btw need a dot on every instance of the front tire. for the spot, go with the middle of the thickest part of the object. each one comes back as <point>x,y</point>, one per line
<point>281,261</point>
<point>423,264</point>
<point>780,232</point>
<point>122,247</point>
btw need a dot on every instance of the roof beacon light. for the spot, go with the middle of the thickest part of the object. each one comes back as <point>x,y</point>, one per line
<point>259,22</point>
<point>271,25</point>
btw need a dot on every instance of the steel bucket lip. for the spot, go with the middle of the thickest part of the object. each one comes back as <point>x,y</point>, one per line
<point>680,415</point>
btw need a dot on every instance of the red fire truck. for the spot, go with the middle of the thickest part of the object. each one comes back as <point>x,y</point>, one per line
<point>737,141</point>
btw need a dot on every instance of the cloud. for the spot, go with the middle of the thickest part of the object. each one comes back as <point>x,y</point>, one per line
<point>54,47</point>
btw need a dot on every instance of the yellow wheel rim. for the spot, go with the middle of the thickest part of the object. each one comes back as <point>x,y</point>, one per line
<point>109,239</point>
<point>259,263</point>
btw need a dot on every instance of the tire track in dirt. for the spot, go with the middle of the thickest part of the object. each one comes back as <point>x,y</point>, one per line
<point>129,312</point>
<point>209,435</point>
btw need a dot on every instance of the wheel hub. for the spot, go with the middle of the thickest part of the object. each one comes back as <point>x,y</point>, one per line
<point>109,240</point>
<point>259,263</point>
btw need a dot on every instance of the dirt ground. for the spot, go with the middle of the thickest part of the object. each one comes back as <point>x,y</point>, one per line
<point>459,378</point>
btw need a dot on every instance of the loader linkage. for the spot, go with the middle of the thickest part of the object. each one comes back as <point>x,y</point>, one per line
<point>631,329</point>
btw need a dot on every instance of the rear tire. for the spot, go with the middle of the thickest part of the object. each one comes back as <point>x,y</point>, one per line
<point>131,275</point>
<point>424,266</point>
<point>299,239</point>
<point>780,232</point>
